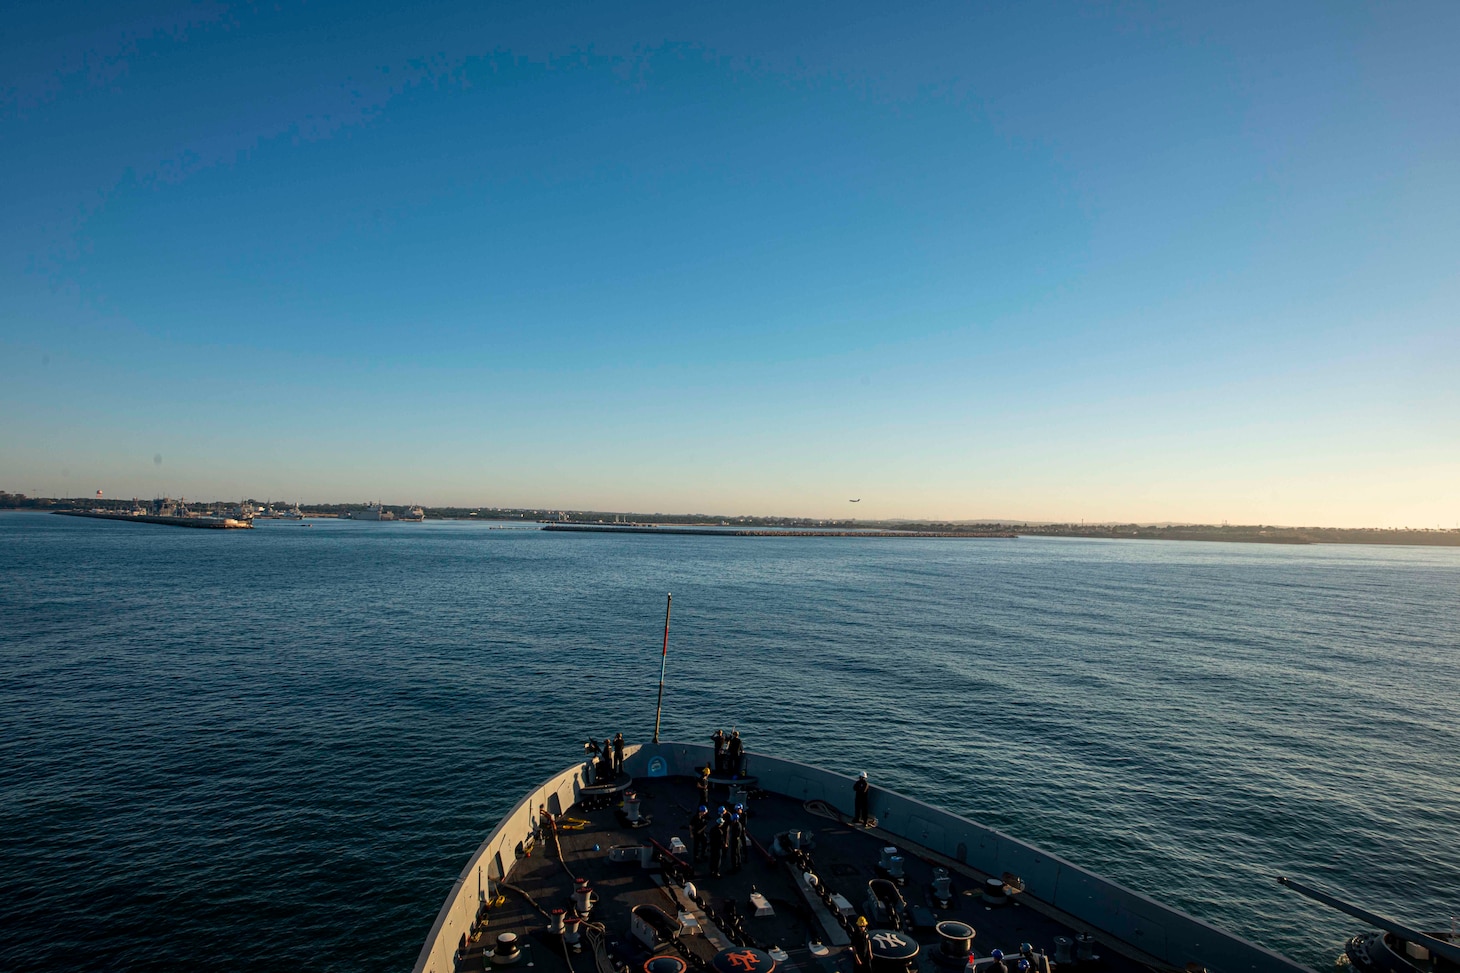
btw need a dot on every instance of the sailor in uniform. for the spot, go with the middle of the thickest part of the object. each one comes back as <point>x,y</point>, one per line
<point>597,764</point>
<point>717,835</point>
<point>698,823</point>
<point>735,837</point>
<point>718,740</point>
<point>861,944</point>
<point>859,792</point>
<point>618,754</point>
<point>703,785</point>
<point>734,750</point>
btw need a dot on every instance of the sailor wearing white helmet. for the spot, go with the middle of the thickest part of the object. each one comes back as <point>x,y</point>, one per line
<point>859,792</point>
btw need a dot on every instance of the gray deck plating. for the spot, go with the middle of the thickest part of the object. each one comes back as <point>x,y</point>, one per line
<point>846,857</point>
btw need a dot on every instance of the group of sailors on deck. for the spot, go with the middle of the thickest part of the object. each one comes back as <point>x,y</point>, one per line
<point>729,753</point>
<point>610,755</point>
<point>718,837</point>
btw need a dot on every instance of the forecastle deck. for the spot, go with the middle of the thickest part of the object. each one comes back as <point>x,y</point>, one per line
<point>1132,931</point>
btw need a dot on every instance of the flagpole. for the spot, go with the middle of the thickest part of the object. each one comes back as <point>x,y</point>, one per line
<point>663,661</point>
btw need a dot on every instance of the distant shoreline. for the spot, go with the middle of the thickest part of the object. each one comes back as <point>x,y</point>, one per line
<point>1212,534</point>
<point>1255,535</point>
<point>760,532</point>
<point>808,526</point>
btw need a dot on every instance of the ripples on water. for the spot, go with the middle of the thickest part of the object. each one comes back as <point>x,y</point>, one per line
<point>278,748</point>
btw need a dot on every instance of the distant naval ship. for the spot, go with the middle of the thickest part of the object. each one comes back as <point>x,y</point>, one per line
<point>375,511</point>
<point>172,513</point>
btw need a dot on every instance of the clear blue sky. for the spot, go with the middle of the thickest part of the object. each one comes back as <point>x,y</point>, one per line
<point>1064,261</point>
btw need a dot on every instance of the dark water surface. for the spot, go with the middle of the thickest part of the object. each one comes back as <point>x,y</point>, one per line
<point>276,749</point>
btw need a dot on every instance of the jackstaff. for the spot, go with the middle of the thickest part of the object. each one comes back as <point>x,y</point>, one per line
<point>663,661</point>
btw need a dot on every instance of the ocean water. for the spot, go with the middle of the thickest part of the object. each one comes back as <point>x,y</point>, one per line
<point>276,749</point>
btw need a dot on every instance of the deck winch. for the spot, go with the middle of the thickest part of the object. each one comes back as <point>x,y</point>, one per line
<point>955,942</point>
<point>507,951</point>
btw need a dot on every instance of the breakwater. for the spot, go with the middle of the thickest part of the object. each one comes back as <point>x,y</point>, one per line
<point>763,532</point>
<point>214,523</point>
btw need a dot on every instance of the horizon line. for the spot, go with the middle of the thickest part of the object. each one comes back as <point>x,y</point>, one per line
<point>662,515</point>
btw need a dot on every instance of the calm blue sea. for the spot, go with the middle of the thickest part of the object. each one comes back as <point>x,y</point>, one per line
<point>276,749</point>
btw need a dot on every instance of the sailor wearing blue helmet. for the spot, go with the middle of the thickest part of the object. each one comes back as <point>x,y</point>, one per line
<point>735,835</point>
<point>719,826</point>
<point>699,822</point>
